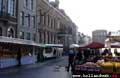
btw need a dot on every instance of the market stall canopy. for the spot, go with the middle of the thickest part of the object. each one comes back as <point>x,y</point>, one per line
<point>115,45</point>
<point>94,45</point>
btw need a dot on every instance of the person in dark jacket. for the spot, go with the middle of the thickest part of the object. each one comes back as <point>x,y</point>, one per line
<point>79,58</point>
<point>71,57</point>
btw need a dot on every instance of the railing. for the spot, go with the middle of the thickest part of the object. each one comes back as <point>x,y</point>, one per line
<point>4,14</point>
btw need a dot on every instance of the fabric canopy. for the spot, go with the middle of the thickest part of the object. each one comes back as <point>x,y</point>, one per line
<point>115,45</point>
<point>74,45</point>
<point>94,45</point>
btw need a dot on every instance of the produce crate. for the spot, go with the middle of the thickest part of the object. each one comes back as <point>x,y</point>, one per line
<point>107,67</point>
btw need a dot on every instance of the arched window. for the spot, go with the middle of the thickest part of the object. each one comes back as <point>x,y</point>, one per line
<point>10,32</point>
<point>0,31</point>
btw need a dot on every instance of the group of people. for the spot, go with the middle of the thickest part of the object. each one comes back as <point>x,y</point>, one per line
<point>82,56</point>
<point>109,56</point>
<point>77,57</point>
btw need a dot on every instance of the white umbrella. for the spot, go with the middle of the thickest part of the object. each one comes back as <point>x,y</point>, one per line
<point>74,45</point>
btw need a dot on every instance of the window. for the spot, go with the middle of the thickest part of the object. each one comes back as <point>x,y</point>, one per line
<point>33,21</point>
<point>48,37</point>
<point>51,23</point>
<point>22,35</point>
<point>28,19</point>
<point>22,18</point>
<point>10,32</point>
<point>0,31</point>
<point>48,20</point>
<point>34,37</point>
<point>28,36</point>
<point>26,3</point>
<point>54,23</point>
<point>44,37</point>
<point>31,4</point>
<point>48,50</point>
<point>1,5</point>
<point>40,37</point>
<point>43,17</point>
<point>11,7</point>
<point>39,17</point>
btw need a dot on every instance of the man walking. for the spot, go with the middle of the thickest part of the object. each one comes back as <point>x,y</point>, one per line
<point>71,57</point>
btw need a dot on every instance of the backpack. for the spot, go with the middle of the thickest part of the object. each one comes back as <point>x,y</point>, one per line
<point>71,53</point>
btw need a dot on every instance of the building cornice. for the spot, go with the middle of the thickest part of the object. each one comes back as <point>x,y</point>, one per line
<point>56,10</point>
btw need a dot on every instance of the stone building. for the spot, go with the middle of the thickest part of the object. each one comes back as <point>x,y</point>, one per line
<point>99,36</point>
<point>27,28</point>
<point>17,32</point>
<point>8,18</point>
<point>54,26</point>
<point>26,24</point>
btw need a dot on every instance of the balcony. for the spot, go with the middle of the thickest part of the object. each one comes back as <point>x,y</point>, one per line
<point>4,16</point>
<point>17,41</point>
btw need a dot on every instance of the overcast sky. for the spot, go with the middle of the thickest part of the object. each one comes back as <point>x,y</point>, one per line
<point>90,15</point>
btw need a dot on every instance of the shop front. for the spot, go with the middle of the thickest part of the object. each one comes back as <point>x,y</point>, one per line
<point>16,54</point>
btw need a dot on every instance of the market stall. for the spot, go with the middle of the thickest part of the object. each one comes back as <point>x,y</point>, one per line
<point>91,53</point>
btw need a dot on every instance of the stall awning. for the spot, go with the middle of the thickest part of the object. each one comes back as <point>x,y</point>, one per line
<point>94,45</point>
<point>115,45</point>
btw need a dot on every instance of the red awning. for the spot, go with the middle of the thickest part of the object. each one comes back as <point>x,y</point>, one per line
<point>94,45</point>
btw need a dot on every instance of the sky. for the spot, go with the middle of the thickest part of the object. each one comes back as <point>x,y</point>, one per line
<point>90,15</point>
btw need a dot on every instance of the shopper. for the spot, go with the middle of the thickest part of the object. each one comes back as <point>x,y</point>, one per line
<point>71,58</point>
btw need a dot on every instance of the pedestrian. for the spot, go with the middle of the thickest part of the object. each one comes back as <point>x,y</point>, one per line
<point>71,58</point>
<point>79,58</point>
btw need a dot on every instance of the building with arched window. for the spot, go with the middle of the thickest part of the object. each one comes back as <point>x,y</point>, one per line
<point>17,29</point>
<point>26,24</point>
<point>8,17</point>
